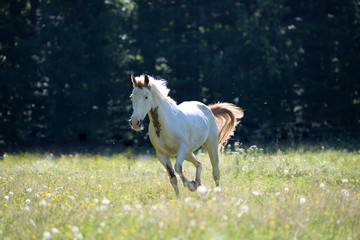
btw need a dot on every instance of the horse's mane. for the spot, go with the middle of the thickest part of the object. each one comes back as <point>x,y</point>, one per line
<point>157,86</point>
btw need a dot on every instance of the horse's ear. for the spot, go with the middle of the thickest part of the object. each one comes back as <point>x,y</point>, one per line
<point>133,80</point>
<point>146,80</point>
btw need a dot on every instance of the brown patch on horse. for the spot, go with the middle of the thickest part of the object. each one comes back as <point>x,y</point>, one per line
<point>155,119</point>
<point>226,116</point>
<point>141,83</point>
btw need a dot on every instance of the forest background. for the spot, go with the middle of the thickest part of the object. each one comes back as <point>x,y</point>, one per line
<point>65,67</point>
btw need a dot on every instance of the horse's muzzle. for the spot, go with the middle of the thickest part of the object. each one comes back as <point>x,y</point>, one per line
<point>136,124</point>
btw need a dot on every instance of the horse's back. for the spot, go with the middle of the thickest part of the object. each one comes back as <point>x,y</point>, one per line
<point>195,109</point>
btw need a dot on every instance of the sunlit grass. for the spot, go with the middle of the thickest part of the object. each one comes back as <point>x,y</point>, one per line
<point>284,195</point>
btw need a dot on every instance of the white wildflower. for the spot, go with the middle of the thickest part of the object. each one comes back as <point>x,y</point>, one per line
<point>29,190</point>
<point>302,200</point>
<point>256,193</point>
<point>252,147</point>
<point>202,190</point>
<point>74,229</point>
<point>322,185</point>
<point>286,171</point>
<point>244,208</point>
<point>6,197</point>
<point>217,189</point>
<point>161,224</point>
<point>78,236</point>
<point>345,192</point>
<point>54,230</point>
<point>286,189</point>
<point>224,218</point>
<point>345,180</point>
<point>26,208</point>
<point>96,200</point>
<point>102,208</point>
<point>46,235</point>
<point>28,201</point>
<point>105,201</point>
<point>11,193</point>
<point>71,197</point>
<point>37,195</point>
<point>102,224</point>
<point>127,208</point>
<point>48,195</point>
<point>242,151</point>
<point>42,202</point>
<point>277,194</point>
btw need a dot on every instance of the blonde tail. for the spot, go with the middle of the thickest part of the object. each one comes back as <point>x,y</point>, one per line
<point>226,116</point>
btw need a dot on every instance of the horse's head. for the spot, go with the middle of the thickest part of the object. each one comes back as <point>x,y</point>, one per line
<point>141,101</point>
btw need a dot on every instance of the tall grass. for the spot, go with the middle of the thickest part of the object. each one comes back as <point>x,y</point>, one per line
<point>282,195</point>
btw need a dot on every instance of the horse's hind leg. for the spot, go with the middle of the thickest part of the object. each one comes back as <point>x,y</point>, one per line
<point>211,146</point>
<point>191,158</point>
<point>165,161</point>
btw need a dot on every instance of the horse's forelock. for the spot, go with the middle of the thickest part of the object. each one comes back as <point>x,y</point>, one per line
<point>140,82</point>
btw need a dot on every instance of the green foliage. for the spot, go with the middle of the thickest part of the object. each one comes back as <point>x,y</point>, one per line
<point>283,195</point>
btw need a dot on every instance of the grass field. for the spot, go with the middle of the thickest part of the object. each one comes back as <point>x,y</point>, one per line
<point>302,194</point>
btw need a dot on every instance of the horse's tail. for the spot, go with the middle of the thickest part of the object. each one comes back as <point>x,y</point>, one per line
<point>226,116</point>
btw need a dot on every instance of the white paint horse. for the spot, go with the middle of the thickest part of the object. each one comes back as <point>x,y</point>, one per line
<point>181,129</point>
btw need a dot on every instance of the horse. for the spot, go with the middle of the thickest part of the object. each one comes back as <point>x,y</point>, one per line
<point>179,130</point>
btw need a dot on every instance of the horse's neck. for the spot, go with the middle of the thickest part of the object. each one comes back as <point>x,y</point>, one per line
<point>162,114</point>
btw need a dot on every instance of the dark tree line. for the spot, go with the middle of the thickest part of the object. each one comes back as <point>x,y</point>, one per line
<point>65,65</point>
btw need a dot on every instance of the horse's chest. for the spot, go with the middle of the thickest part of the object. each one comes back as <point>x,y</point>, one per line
<point>163,139</point>
<point>163,142</point>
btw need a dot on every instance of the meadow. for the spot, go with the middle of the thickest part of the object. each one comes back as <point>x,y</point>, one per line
<point>292,194</point>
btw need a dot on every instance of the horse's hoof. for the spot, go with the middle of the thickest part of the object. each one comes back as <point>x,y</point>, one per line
<point>192,186</point>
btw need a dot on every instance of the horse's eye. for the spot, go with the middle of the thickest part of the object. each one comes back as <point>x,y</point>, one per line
<point>146,97</point>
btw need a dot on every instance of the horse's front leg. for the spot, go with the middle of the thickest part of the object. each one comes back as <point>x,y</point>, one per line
<point>182,153</point>
<point>165,161</point>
